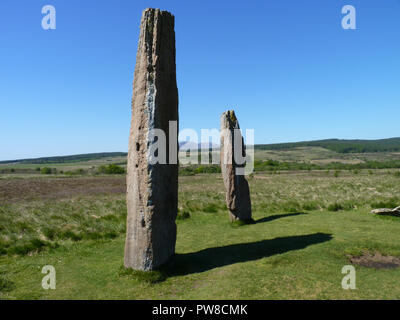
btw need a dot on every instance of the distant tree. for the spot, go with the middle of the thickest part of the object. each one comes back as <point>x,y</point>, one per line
<point>111,169</point>
<point>45,170</point>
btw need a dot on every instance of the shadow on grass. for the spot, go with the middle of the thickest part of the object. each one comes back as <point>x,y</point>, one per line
<point>211,258</point>
<point>278,216</point>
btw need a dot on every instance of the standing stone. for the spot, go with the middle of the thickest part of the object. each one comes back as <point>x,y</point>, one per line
<point>152,189</point>
<point>237,187</point>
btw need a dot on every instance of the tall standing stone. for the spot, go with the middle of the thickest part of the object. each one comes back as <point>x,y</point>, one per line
<point>236,185</point>
<point>152,189</point>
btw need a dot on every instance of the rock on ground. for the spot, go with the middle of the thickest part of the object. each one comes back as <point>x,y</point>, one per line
<point>387,212</point>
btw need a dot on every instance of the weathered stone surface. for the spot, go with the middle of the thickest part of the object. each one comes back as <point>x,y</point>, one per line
<point>152,189</point>
<point>237,187</point>
<point>387,212</point>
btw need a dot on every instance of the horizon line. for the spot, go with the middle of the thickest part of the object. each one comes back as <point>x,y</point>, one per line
<point>179,143</point>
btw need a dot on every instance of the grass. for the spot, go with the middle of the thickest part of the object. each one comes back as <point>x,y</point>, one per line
<point>5,284</point>
<point>183,215</point>
<point>297,192</point>
<point>150,277</point>
<point>29,227</point>
<point>305,227</point>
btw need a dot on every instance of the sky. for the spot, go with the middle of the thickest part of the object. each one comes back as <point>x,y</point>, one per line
<point>287,68</point>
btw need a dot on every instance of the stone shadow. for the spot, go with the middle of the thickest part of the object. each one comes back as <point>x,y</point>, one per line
<point>278,216</point>
<point>211,258</point>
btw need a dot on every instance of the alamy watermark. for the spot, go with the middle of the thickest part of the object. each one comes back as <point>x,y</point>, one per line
<point>349,20</point>
<point>49,20</point>
<point>49,280</point>
<point>205,150</point>
<point>349,280</point>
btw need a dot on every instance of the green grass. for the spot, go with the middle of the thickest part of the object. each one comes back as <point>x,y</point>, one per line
<point>151,277</point>
<point>281,256</point>
<point>33,226</point>
<point>5,284</point>
<point>305,227</point>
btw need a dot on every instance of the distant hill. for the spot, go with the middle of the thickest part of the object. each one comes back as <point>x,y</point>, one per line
<point>68,159</point>
<point>340,146</point>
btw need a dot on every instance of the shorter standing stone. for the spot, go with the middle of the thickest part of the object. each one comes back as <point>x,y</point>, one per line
<point>237,188</point>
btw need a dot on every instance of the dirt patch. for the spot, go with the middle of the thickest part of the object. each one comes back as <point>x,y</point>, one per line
<point>16,190</point>
<point>376,261</point>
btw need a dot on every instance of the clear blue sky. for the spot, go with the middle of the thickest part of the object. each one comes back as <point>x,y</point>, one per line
<point>287,67</point>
